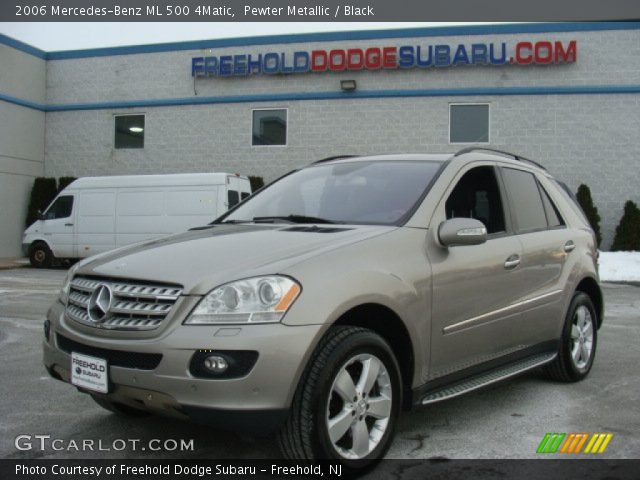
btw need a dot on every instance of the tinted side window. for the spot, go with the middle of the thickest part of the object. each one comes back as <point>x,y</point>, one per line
<point>61,208</point>
<point>244,195</point>
<point>233,197</point>
<point>525,200</point>
<point>477,195</point>
<point>553,215</point>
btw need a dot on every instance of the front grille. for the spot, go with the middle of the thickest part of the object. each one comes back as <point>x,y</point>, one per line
<point>135,305</point>
<point>118,358</point>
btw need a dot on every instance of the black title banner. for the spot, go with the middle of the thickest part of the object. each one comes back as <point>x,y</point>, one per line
<point>315,11</point>
<point>418,469</point>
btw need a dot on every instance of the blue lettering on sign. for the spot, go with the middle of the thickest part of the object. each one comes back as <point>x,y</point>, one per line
<point>461,57</point>
<point>423,61</point>
<point>479,54</point>
<point>502,59</point>
<point>442,55</point>
<point>406,57</point>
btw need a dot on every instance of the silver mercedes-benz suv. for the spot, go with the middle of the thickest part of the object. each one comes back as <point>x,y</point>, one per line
<point>339,295</point>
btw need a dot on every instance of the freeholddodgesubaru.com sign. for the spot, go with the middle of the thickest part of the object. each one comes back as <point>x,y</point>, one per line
<point>543,52</point>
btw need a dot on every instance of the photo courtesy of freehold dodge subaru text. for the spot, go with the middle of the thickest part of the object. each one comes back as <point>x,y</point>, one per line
<point>312,320</point>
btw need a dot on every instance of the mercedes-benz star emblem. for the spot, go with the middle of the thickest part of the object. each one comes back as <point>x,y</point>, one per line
<point>100,303</point>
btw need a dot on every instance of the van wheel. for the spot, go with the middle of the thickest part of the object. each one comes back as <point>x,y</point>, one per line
<point>578,344</point>
<point>119,408</point>
<point>40,255</point>
<point>348,401</point>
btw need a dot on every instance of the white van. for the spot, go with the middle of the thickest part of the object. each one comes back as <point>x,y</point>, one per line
<point>96,214</point>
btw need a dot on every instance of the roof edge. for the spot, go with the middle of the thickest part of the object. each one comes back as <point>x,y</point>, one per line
<point>509,28</point>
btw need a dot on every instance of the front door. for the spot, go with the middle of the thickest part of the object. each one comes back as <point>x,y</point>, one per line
<point>58,226</point>
<point>475,288</point>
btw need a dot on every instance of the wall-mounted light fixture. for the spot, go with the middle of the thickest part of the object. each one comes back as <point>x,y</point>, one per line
<point>348,85</point>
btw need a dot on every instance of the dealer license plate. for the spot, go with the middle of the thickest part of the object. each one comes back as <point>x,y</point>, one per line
<point>89,372</point>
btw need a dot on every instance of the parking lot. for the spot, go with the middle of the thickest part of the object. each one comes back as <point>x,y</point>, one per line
<point>507,420</point>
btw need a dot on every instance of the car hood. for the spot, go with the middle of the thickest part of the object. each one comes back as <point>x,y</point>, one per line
<point>202,259</point>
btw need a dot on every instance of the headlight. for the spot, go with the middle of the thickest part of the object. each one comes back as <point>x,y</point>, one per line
<point>254,300</point>
<point>66,286</point>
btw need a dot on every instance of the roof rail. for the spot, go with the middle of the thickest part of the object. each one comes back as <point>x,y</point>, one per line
<point>335,157</point>
<point>519,158</point>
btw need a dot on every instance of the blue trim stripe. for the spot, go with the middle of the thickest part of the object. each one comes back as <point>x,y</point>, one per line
<point>23,47</point>
<point>553,27</point>
<point>336,95</point>
<point>23,103</point>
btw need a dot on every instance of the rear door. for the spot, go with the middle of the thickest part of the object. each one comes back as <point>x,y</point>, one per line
<point>545,246</point>
<point>476,289</point>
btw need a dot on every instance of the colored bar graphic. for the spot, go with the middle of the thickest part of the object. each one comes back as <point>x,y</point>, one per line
<point>572,443</point>
<point>550,443</point>
<point>598,443</point>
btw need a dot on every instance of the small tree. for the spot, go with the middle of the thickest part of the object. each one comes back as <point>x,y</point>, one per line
<point>590,210</point>
<point>64,182</point>
<point>43,192</point>
<point>256,182</point>
<point>628,231</point>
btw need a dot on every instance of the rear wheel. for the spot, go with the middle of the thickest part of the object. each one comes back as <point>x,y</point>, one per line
<point>347,403</point>
<point>578,344</point>
<point>40,255</point>
<point>119,408</point>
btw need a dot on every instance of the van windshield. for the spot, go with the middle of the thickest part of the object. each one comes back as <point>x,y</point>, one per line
<point>358,192</point>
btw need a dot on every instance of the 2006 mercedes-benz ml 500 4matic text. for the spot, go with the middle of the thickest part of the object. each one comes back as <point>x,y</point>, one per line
<point>345,291</point>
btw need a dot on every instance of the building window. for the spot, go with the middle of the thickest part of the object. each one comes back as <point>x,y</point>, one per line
<point>469,123</point>
<point>129,131</point>
<point>269,127</point>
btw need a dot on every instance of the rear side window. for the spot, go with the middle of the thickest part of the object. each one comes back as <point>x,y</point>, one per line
<point>233,197</point>
<point>553,215</point>
<point>61,208</point>
<point>526,202</point>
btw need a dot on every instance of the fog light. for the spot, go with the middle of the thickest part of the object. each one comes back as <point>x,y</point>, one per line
<point>216,364</point>
<point>47,329</point>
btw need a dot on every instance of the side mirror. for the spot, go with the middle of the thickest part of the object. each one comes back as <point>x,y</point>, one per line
<point>462,231</point>
<point>40,215</point>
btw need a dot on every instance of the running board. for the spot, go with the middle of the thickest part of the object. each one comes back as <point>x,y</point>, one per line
<point>492,376</point>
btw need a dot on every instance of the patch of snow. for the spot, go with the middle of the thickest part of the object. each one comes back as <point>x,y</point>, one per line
<point>619,266</point>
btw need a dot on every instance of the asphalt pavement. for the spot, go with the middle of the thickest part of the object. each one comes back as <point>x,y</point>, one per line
<point>507,420</point>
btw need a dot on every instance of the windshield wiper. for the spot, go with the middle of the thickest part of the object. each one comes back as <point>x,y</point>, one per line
<point>233,221</point>
<point>293,219</point>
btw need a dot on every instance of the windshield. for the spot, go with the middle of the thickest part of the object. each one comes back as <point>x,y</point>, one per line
<point>376,192</point>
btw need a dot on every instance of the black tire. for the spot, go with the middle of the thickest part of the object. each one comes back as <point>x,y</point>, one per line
<point>119,408</point>
<point>40,255</point>
<point>305,434</point>
<point>564,367</point>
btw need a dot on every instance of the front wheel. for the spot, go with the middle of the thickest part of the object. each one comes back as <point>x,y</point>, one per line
<point>348,401</point>
<point>40,255</point>
<point>578,343</point>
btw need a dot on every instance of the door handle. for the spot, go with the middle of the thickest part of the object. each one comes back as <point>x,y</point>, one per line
<point>68,224</point>
<point>569,246</point>
<point>512,262</point>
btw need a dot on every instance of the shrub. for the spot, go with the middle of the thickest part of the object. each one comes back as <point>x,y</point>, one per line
<point>256,182</point>
<point>590,210</point>
<point>628,231</point>
<point>63,182</point>
<point>43,192</point>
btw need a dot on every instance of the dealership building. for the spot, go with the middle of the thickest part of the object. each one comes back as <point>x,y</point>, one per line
<point>564,94</point>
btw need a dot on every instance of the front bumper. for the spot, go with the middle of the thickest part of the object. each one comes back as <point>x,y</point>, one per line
<point>266,391</point>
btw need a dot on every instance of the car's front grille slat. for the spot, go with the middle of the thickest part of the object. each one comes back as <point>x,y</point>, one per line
<point>134,306</point>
